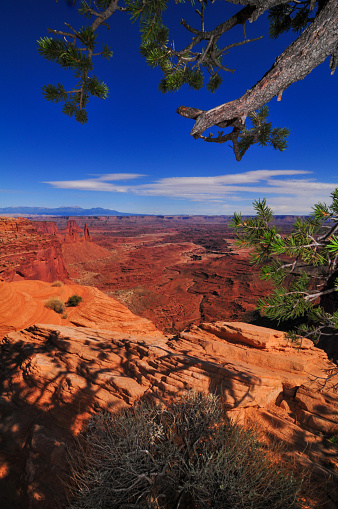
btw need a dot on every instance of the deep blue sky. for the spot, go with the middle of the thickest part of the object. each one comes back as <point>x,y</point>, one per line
<point>136,153</point>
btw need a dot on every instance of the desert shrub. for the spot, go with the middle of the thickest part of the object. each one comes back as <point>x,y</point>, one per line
<point>55,304</point>
<point>334,440</point>
<point>57,283</point>
<point>186,455</point>
<point>73,301</point>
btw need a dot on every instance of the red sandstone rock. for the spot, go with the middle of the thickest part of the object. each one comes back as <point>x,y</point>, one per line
<point>86,233</point>
<point>37,250</point>
<point>22,303</point>
<point>56,376</point>
<point>72,231</point>
<point>30,251</point>
<point>174,274</point>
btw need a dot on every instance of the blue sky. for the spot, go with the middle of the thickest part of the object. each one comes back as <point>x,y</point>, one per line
<point>136,154</point>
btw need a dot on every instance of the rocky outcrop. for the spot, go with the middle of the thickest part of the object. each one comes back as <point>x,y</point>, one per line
<point>54,377</point>
<point>71,233</point>
<point>22,303</point>
<point>30,251</point>
<point>37,250</point>
<point>86,233</point>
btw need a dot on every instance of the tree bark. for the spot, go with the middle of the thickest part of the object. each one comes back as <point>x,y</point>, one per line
<point>313,46</point>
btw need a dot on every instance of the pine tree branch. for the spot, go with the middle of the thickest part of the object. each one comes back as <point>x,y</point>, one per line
<point>315,296</point>
<point>60,32</point>
<point>313,46</point>
<point>103,16</point>
<point>238,19</point>
<point>328,234</point>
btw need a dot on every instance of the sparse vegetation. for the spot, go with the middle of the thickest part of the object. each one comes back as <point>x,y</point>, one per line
<point>55,304</point>
<point>334,441</point>
<point>73,301</point>
<point>187,455</point>
<point>57,283</point>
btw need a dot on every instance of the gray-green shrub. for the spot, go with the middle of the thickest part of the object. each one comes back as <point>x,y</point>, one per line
<point>187,455</point>
<point>55,304</point>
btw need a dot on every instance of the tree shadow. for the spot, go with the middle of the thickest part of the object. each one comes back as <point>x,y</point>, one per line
<point>52,378</point>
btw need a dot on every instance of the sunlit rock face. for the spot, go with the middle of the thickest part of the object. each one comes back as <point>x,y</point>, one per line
<point>30,251</point>
<point>22,303</point>
<point>35,250</point>
<point>55,376</point>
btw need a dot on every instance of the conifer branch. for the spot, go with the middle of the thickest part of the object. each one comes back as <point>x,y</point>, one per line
<point>296,295</point>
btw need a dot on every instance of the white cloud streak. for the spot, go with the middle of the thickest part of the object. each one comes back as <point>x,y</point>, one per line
<point>285,195</point>
<point>99,183</point>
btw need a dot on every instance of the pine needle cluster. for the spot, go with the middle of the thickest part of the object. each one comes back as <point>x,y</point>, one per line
<point>74,50</point>
<point>302,265</point>
<point>293,16</point>
<point>262,133</point>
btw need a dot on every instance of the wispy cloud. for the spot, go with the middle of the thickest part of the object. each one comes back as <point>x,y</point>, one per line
<point>99,183</point>
<point>117,176</point>
<point>288,191</point>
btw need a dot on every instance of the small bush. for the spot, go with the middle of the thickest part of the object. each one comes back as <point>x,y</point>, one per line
<point>73,301</point>
<point>57,283</point>
<point>55,304</point>
<point>187,455</point>
<point>64,316</point>
<point>334,440</point>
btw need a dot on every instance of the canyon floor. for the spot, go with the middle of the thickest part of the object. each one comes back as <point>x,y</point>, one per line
<point>174,272</point>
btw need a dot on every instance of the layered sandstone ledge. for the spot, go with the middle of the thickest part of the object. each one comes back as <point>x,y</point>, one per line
<point>54,377</point>
<point>22,303</point>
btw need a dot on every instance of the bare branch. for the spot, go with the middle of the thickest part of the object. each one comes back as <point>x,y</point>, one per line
<point>313,46</point>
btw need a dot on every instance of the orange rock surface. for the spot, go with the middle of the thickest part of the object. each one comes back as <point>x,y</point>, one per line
<point>22,303</point>
<point>57,370</point>
<point>55,376</point>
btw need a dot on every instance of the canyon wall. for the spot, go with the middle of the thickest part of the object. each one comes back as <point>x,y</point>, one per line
<point>34,250</point>
<point>30,251</point>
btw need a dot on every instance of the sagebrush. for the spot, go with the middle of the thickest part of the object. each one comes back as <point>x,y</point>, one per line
<point>187,455</point>
<point>55,304</point>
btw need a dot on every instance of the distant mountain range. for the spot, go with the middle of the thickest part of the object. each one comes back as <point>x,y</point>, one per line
<point>62,211</point>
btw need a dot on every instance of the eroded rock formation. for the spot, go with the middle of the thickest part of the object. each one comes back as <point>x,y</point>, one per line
<point>54,377</point>
<point>30,251</point>
<point>36,250</point>
<point>173,272</point>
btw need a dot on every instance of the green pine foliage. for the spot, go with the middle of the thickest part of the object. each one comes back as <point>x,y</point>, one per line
<point>293,16</point>
<point>262,133</point>
<point>74,52</point>
<point>302,265</point>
